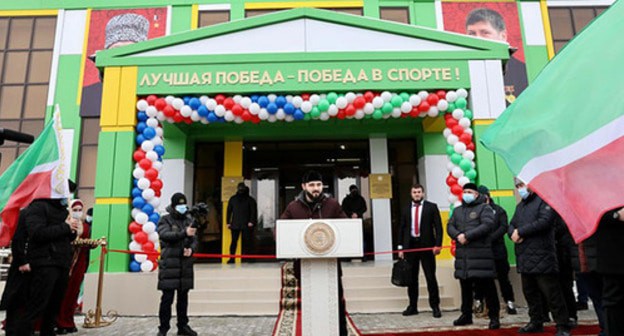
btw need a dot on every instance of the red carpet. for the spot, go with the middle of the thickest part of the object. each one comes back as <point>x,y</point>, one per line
<point>549,331</point>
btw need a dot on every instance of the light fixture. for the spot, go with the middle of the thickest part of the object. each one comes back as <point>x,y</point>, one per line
<point>343,147</point>
<point>254,148</point>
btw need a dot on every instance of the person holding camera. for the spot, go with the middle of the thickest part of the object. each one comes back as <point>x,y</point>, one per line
<point>178,242</point>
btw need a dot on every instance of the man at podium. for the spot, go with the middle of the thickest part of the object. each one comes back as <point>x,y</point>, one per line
<point>312,203</point>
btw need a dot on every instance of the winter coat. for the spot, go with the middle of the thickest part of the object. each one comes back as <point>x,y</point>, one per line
<point>476,222</point>
<point>175,270</point>
<point>500,229</point>
<point>535,221</point>
<point>609,238</point>
<point>325,208</point>
<point>17,282</point>
<point>241,210</point>
<point>354,204</point>
<point>49,237</point>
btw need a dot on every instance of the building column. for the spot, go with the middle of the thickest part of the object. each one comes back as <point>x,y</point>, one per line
<point>382,216</point>
<point>232,168</point>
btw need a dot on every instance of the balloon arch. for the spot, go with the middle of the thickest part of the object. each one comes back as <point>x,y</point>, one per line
<point>153,111</point>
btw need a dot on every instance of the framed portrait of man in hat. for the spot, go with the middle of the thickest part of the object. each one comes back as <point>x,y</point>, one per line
<point>112,29</point>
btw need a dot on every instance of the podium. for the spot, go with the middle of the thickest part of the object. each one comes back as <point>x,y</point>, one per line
<point>318,243</point>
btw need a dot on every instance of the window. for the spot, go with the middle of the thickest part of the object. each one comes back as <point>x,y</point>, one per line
<point>26,45</point>
<point>396,14</point>
<point>88,160</point>
<point>256,12</point>
<point>566,22</point>
<point>352,11</point>
<point>210,17</point>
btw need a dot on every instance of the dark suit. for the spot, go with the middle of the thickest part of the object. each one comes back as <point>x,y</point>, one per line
<point>430,235</point>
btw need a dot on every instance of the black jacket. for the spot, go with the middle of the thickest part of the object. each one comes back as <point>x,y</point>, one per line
<point>49,237</point>
<point>175,270</point>
<point>241,210</point>
<point>354,205</point>
<point>535,221</point>
<point>476,222</point>
<point>500,229</point>
<point>609,237</point>
<point>430,226</point>
<point>17,282</point>
<point>326,207</point>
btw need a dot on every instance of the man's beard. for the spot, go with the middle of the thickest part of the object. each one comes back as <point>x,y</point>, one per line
<point>311,197</point>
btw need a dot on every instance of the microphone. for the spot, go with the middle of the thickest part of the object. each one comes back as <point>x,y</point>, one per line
<point>7,134</point>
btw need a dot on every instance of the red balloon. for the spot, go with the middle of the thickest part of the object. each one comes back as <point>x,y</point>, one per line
<point>457,130</point>
<point>153,258</point>
<point>154,265</point>
<point>451,180</point>
<point>424,106</point>
<point>433,99</point>
<point>452,122</point>
<point>219,98</point>
<point>255,119</point>
<point>228,103</point>
<point>305,96</point>
<point>151,174</point>
<point>456,190</point>
<point>441,94</point>
<point>341,114</point>
<point>145,164</point>
<point>350,110</point>
<point>168,111</point>
<point>157,193</point>
<point>415,113</point>
<point>188,121</point>
<point>465,138</point>
<point>160,104</point>
<point>140,237</point>
<point>177,117</point>
<point>369,96</point>
<point>453,247</point>
<point>151,99</point>
<point>148,246</point>
<point>359,102</point>
<point>138,155</point>
<point>448,116</point>
<point>156,185</point>
<point>246,115</point>
<point>134,227</point>
<point>470,146</point>
<point>236,109</point>
<point>404,115</point>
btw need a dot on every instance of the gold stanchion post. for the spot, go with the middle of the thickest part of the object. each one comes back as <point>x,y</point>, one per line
<point>95,319</point>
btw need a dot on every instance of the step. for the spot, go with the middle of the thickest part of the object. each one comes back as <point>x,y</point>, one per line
<point>233,307</point>
<point>383,292</point>
<point>235,294</point>
<point>257,283</point>
<point>393,304</point>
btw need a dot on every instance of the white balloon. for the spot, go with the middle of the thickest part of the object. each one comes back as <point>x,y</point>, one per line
<point>396,112</point>
<point>386,96</point>
<point>289,98</point>
<point>289,118</point>
<point>332,110</point>
<point>169,99</point>
<point>155,202</point>
<point>254,108</point>
<point>423,94</point>
<point>464,122</point>
<point>263,114</point>
<point>324,116</point>
<point>406,107</point>
<point>457,172</point>
<point>195,116</point>
<point>152,122</point>
<point>369,108</point>
<point>458,114</point>
<point>297,101</point>
<point>473,164</point>
<point>237,99</point>
<point>151,155</point>
<point>462,93</point>
<point>446,132</point>
<point>186,111</point>
<point>203,99</point>
<point>272,97</point>
<point>359,114</point>
<point>211,104</point>
<point>350,96</point>
<point>134,246</point>
<point>149,227</point>
<point>341,102</point>
<point>220,110</point>
<point>280,115</point>
<point>148,193</point>
<point>134,212</point>
<point>157,140</point>
<point>378,102</point>
<point>138,173</point>
<point>306,107</point>
<point>461,181</point>
<point>151,111</point>
<point>314,99</point>
<point>177,103</point>
<point>143,183</point>
<point>459,147</point>
<point>451,96</point>
<point>141,258</point>
<point>142,105</point>
<point>245,102</point>
<point>229,116</point>
<point>442,105</point>
<point>433,112</point>
<point>161,116</point>
<point>457,203</point>
<point>147,146</point>
<point>153,237</point>
<point>450,166</point>
<point>272,118</point>
<point>141,218</point>
<point>452,139</point>
<point>415,100</point>
<point>147,266</point>
<point>159,131</point>
<point>468,155</point>
<point>452,198</point>
<point>157,165</point>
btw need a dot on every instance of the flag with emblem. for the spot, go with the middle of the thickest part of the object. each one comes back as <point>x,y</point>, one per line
<point>40,172</point>
<point>564,135</point>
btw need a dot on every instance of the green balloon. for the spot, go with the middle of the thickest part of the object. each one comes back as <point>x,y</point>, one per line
<point>331,97</point>
<point>456,158</point>
<point>306,116</point>
<point>465,165</point>
<point>471,174</point>
<point>323,105</point>
<point>315,113</point>
<point>396,101</point>
<point>461,103</point>
<point>468,114</point>
<point>450,150</point>
<point>405,96</point>
<point>377,114</point>
<point>451,108</point>
<point>368,116</point>
<point>387,108</point>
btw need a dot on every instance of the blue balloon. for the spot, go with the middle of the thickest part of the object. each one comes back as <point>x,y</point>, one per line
<point>140,139</point>
<point>142,116</point>
<point>149,133</point>
<point>148,209</point>
<point>289,108</point>
<point>159,149</point>
<point>140,127</point>
<point>280,101</point>
<point>136,192</point>
<point>186,100</point>
<point>135,266</point>
<point>212,117</point>
<point>299,115</point>
<point>135,182</point>
<point>221,120</point>
<point>272,108</point>
<point>154,218</point>
<point>202,110</point>
<point>263,101</point>
<point>194,103</point>
<point>138,202</point>
<point>254,98</point>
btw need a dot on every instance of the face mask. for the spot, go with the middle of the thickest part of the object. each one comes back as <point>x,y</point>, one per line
<point>181,208</point>
<point>468,198</point>
<point>89,219</point>
<point>524,192</point>
<point>76,214</point>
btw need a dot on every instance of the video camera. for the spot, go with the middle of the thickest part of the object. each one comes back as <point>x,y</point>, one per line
<point>198,212</point>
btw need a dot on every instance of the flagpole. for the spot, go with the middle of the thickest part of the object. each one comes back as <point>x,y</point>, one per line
<point>95,319</point>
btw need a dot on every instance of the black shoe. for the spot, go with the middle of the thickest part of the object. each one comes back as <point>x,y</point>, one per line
<point>186,331</point>
<point>511,308</point>
<point>436,312</point>
<point>61,331</point>
<point>494,324</point>
<point>546,319</point>
<point>161,333</point>
<point>463,320</point>
<point>231,261</point>
<point>562,332</point>
<point>573,323</point>
<point>410,310</point>
<point>581,306</point>
<point>531,328</point>
<point>72,330</point>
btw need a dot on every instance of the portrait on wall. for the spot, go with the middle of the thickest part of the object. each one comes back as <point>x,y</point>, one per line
<point>112,29</point>
<point>497,21</point>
